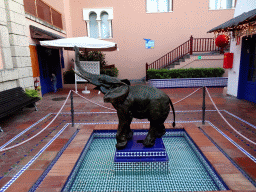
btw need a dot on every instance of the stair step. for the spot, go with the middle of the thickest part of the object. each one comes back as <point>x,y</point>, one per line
<point>182,59</point>
<point>186,56</point>
<point>176,63</point>
<point>170,67</point>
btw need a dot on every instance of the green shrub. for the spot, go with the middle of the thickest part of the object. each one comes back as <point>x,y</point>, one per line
<point>93,56</point>
<point>185,73</point>
<point>69,76</point>
<point>33,92</point>
<point>113,72</point>
<point>99,56</point>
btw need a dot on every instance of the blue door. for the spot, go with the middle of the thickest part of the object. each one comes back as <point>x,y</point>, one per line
<point>49,63</point>
<point>247,75</point>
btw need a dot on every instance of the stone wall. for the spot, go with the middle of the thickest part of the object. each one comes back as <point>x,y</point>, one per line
<point>14,46</point>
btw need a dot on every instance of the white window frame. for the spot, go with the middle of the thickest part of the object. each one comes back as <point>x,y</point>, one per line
<point>98,11</point>
<point>220,4</point>
<point>170,8</point>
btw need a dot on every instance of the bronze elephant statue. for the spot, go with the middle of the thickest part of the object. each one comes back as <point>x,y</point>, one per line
<point>138,101</point>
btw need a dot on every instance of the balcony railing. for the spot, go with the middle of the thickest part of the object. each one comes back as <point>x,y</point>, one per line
<point>43,11</point>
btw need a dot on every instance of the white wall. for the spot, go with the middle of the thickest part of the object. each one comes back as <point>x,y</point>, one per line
<point>233,74</point>
<point>16,67</point>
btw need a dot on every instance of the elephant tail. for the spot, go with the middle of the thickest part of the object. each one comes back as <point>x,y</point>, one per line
<point>173,124</point>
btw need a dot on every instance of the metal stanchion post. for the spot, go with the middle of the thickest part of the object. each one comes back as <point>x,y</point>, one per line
<point>72,109</point>
<point>203,107</point>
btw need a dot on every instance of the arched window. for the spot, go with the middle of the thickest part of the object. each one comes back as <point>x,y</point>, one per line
<point>104,26</point>
<point>94,32</point>
<point>99,22</point>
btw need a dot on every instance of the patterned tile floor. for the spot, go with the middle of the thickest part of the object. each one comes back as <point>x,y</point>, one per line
<point>12,161</point>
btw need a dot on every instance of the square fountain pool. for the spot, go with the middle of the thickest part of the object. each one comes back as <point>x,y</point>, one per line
<point>188,169</point>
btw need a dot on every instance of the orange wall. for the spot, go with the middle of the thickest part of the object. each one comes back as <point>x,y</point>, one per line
<point>131,24</point>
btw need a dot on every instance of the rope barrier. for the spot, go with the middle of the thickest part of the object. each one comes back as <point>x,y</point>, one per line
<point>226,120</point>
<point>93,102</point>
<point>8,148</point>
<point>187,96</point>
<point>21,133</point>
<point>115,110</point>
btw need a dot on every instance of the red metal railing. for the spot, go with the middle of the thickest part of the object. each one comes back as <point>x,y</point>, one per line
<point>190,46</point>
<point>43,11</point>
<point>204,45</point>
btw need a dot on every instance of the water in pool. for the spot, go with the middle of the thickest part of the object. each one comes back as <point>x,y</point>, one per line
<point>187,172</point>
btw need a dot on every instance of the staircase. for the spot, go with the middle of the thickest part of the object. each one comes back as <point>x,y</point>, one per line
<point>183,52</point>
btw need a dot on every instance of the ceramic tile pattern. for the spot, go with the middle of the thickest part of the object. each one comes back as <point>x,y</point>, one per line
<point>12,161</point>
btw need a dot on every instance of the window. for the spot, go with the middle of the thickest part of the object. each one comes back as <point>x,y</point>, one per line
<point>154,6</point>
<point>93,26</point>
<point>99,22</point>
<point>221,4</point>
<point>104,25</point>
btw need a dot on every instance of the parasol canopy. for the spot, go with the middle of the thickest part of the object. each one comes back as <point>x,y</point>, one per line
<point>90,44</point>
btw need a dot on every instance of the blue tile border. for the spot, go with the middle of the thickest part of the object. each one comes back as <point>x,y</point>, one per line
<point>72,175</point>
<point>21,133</point>
<point>241,170</point>
<point>8,184</point>
<point>234,143</point>
<point>244,151</point>
<point>209,168</point>
<point>179,132</point>
<point>42,177</point>
<point>189,82</point>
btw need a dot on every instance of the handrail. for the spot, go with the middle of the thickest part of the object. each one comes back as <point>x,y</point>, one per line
<point>190,46</point>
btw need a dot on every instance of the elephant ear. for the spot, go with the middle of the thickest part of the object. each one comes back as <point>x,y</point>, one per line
<point>126,81</point>
<point>117,94</point>
<point>104,90</point>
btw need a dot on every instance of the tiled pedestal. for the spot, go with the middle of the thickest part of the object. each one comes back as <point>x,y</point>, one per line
<point>137,159</point>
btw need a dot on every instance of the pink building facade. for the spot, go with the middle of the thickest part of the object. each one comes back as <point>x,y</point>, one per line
<point>168,23</point>
<point>131,23</point>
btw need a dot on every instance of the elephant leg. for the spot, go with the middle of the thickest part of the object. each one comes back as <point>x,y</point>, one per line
<point>149,141</point>
<point>160,131</point>
<point>156,130</point>
<point>124,133</point>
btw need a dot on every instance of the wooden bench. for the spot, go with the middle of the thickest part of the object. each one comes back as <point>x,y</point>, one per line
<point>13,100</point>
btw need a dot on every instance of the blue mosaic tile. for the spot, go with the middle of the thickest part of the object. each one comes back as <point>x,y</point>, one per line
<point>187,169</point>
<point>189,82</point>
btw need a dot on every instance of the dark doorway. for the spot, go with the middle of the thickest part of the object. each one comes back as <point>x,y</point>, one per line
<point>49,62</point>
<point>247,75</point>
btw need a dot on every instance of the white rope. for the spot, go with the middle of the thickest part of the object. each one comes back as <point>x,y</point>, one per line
<point>5,149</point>
<point>93,102</point>
<point>8,148</point>
<point>115,110</point>
<point>187,96</point>
<point>21,133</point>
<point>226,120</point>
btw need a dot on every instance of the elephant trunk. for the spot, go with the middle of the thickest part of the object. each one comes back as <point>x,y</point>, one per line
<point>92,78</point>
